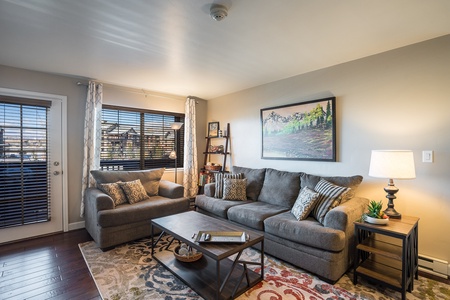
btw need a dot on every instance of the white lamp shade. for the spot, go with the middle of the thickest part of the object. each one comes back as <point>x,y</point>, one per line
<point>392,164</point>
<point>173,154</point>
<point>176,125</point>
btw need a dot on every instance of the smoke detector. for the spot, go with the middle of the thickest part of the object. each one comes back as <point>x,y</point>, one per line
<point>218,12</point>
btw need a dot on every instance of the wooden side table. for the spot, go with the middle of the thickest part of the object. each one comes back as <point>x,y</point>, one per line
<point>388,254</point>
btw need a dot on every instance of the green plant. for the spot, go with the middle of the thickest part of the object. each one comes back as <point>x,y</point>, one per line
<point>375,210</point>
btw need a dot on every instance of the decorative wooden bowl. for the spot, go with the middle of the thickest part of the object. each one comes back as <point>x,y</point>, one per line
<point>213,168</point>
<point>189,258</point>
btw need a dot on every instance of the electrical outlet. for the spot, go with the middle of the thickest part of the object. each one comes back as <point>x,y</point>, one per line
<point>427,156</point>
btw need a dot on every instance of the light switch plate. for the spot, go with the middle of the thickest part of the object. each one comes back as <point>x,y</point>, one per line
<point>427,156</point>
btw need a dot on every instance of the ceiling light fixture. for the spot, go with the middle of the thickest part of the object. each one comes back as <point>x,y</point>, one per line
<point>218,12</point>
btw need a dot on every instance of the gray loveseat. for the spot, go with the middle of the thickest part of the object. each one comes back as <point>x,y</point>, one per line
<point>111,222</point>
<point>323,248</point>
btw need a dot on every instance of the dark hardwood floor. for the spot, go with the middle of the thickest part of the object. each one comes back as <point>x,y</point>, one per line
<point>52,267</point>
<point>49,267</point>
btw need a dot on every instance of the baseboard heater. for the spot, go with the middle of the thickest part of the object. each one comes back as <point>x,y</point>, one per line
<point>433,266</point>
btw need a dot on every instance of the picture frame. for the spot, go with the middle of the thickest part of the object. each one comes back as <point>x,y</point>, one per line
<point>213,129</point>
<point>300,131</point>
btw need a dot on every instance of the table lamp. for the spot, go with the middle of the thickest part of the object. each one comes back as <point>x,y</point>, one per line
<point>392,164</point>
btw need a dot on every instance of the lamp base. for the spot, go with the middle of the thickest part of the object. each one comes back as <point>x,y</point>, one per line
<point>392,213</point>
<point>391,190</point>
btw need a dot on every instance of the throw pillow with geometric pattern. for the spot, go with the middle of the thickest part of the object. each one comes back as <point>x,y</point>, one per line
<point>218,178</point>
<point>114,191</point>
<point>304,204</point>
<point>330,196</point>
<point>234,189</point>
<point>134,190</point>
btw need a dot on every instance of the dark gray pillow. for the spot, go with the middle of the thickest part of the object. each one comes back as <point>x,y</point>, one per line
<point>255,180</point>
<point>352,182</point>
<point>149,178</point>
<point>280,188</point>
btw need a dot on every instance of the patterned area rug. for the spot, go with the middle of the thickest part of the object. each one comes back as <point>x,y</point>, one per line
<point>129,272</point>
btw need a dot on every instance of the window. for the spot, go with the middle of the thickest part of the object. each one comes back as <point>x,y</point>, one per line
<point>135,139</point>
<point>24,171</point>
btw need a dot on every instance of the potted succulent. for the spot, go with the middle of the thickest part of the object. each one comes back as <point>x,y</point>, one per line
<point>375,215</point>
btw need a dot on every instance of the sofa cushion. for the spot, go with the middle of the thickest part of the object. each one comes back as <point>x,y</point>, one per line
<point>253,214</point>
<point>329,197</point>
<point>134,190</point>
<point>114,191</point>
<point>153,207</point>
<point>218,207</point>
<point>351,182</point>
<point>255,180</point>
<point>280,188</point>
<point>304,204</point>
<point>218,177</point>
<point>307,232</point>
<point>234,189</point>
<point>149,178</point>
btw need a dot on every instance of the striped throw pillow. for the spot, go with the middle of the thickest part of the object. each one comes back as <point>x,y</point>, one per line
<point>218,177</point>
<point>330,196</point>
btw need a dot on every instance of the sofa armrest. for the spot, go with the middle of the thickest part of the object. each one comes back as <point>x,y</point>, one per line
<point>209,189</point>
<point>170,189</point>
<point>343,216</point>
<point>98,200</point>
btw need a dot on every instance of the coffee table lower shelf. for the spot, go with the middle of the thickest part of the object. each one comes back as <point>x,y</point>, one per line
<point>201,275</point>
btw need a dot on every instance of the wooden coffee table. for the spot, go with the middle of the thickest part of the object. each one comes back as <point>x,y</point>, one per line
<point>215,275</point>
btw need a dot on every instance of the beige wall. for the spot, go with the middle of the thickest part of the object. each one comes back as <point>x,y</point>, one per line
<point>395,100</point>
<point>20,79</point>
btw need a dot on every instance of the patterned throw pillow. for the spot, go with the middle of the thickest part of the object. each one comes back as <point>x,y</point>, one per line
<point>304,204</point>
<point>134,190</point>
<point>234,189</point>
<point>218,177</point>
<point>330,196</point>
<point>114,191</point>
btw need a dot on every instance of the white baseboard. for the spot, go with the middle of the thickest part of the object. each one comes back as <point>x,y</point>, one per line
<point>76,225</point>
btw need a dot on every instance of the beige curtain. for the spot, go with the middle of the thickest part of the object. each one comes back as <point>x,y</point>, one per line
<point>92,136</point>
<point>190,179</point>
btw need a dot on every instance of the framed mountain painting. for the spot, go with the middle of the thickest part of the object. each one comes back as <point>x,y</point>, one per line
<point>300,131</point>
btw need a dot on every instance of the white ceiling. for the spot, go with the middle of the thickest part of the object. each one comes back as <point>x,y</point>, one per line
<point>173,46</point>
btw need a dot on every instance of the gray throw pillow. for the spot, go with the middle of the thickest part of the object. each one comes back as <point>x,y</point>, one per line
<point>255,180</point>
<point>305,203</point>
<point>329,197</point>
<point>280,188</point>
<point>234,189</point>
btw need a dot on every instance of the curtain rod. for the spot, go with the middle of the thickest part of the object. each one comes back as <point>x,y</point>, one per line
<point>137,91</point>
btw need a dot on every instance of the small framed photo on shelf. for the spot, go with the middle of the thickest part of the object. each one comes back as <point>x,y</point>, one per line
<point>213,129</point>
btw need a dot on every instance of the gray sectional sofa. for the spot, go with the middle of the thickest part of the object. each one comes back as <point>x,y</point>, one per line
<point>323,248</point>
<point>111,223</point>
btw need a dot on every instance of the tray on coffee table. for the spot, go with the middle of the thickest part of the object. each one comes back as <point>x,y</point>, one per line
<point>221,237</point>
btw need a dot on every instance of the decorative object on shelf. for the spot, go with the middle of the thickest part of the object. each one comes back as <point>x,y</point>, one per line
<point>392,164</point>
<point>216,149</point>
<point>185,253</point>
<point>213,167</point>
<point>173,154</point>
<point>300,131</point>
<point>213,129</point>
